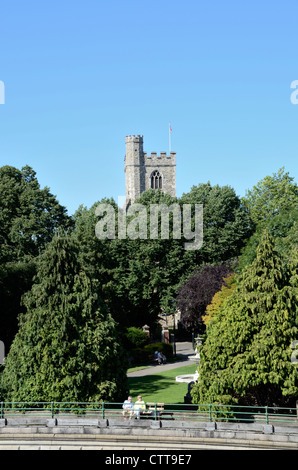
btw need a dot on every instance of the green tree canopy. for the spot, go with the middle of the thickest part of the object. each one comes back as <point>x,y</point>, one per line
<point>66,348</point>
<point>226,222</point>
<point>272,203</point>
<point>139,277</point>
<point>29,218</point>
<point>271,196</point>
<point>29,215</point>
<point>283,228</point>
<point>246,356</point>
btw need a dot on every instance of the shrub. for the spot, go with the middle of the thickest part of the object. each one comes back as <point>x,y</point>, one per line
<point>164,348</point>
<point>139,356</point>
<point>135,338</point>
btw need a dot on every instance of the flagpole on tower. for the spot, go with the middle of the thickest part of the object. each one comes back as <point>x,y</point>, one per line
<point>170,132</point>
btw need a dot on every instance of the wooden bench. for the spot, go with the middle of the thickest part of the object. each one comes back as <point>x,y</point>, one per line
<point>158,408</point>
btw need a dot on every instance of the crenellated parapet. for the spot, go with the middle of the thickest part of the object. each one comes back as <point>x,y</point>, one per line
<point>133,138</point>
<point>162,158</point>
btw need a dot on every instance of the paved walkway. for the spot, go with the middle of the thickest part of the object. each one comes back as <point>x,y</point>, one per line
<point>184,351</point>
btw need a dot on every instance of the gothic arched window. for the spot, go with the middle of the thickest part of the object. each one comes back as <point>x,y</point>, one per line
<point>156,180</point>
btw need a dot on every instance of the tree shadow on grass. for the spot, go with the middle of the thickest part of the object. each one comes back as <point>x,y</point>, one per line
<point>149,384</point>
<point>157,389</point>
<point>161,387</point>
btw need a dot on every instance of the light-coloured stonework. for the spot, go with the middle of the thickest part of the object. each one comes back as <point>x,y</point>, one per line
<point>144,171</point>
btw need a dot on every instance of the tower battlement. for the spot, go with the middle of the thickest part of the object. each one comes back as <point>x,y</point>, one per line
<point>163,155</point>
<point>134,138</point>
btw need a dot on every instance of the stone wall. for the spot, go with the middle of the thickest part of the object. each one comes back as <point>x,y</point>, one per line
<point>166,165</point>
<point>139,167</point>
<point>160,434</point>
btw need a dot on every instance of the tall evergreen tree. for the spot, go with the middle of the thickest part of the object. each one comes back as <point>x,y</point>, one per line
<point>29,218</point>
<point>246,357</point>
<point>66,348</point>
<point>272,204</point>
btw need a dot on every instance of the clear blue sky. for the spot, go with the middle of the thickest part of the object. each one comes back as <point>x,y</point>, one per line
<point>81,75</point>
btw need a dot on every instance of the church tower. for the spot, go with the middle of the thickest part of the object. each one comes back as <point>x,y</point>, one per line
<point>134,168</point>
<point>144,171</point>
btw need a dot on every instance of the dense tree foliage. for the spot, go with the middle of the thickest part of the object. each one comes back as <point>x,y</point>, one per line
<point>246,356</point>
<point>137,277</point>
<point>197,292</point>
<point>66,348</point>
<point>273,204</point>
<point>284,229</point>
<point>88,290</point>
<point>227,223</point>
<point>149,271</point>
<point>140,277</point>
<point>29,218</point>
<point>229,284</point>
<point>271,196</point>
<point>29,215</point>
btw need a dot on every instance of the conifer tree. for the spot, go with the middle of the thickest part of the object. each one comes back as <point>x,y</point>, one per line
<point>29,218</point>
<point>66,348</point>
<point>219,298</point>
<point>246,357</point>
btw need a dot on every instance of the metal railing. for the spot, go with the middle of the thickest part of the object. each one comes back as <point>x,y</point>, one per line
<point>199,412</point>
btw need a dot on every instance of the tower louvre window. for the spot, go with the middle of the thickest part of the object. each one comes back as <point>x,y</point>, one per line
<point>156,180</point>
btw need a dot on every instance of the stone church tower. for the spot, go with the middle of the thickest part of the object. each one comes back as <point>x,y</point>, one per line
<point>144,171</point>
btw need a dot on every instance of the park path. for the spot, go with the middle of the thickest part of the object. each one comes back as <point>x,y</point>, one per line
<point>184,350</point>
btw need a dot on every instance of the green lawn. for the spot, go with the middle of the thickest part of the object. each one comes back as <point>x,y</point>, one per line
<point>161,387</point>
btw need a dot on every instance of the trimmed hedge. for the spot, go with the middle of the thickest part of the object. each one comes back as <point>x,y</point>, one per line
<point>145,355</point>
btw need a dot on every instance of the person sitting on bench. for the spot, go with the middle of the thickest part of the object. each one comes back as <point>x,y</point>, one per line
<point>139,407</point>
<point>127,408</point>
<point>161,358</point>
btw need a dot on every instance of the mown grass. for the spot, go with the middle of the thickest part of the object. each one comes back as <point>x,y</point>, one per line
<point>162,386</point>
